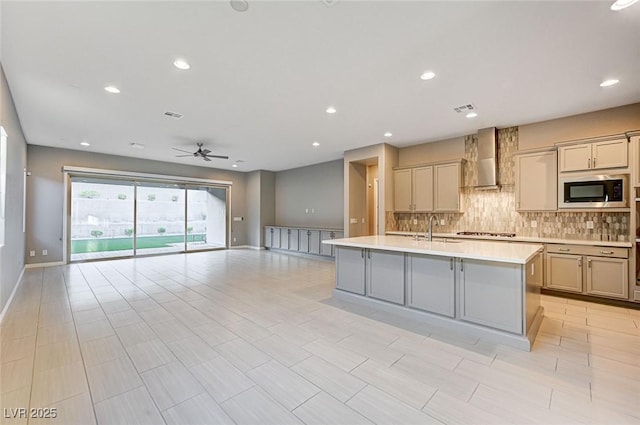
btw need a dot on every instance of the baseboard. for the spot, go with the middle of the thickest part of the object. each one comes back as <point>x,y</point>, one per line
<point>37,265</point>
<point>13,294</point>
<point>247,247</point>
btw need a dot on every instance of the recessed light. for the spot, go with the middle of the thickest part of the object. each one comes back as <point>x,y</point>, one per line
<point>112,89</point>
<point>471,115</point>
<point>609,83</point>
<point>234,165</point>
<point>239,5</point>
<point>427,75</point>
<point>622,4</point>
<point>85,143</point>
<point>331,110</point>
<point>181,64</point>
<point>136,145</point>
<point>315,144</point>
<point>388,134</point>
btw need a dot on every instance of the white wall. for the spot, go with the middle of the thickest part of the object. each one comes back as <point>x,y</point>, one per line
<point>12,254</point>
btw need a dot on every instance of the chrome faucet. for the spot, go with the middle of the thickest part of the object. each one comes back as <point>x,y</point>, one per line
<point>429,234</point>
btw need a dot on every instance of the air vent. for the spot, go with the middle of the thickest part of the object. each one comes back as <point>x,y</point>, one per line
<point>173,115</point>
<point>465,109</point>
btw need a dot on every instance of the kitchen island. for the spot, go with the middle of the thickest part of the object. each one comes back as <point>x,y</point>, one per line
<point>489,289</point>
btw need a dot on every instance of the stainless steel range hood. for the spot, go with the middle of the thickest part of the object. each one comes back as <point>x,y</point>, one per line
<point>487,158</point>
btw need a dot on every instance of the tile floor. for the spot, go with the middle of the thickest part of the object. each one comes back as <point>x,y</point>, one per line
<point>253,337</point>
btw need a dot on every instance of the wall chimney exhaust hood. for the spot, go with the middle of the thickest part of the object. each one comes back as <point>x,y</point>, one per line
<point>487,158</point>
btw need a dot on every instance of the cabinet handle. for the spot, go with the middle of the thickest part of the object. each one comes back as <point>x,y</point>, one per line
<point>594,162</point>
<point>362,253</point>
<point>580,262</point>
<point>369,254</point>
<point>606,252</point>
<point>589,263</point>
<point>461,265</point>
<point>451,263</point>
<point>564,249</point>
<point>589,163</point>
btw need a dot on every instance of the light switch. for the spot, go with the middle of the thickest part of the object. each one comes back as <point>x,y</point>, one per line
<point>415,221</point>
<point>353,221</point>
<point>32,253</point>
<point>306,210</point>
<point>45,252</point>
<point>442,222</point>
<point>534,224</point>
<point>238,218</point>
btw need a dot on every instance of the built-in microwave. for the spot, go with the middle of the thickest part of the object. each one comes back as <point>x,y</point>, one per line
<point>593,191</point>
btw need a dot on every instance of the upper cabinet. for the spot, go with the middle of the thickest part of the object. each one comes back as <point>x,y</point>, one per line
<point>635,148</point>
<point>448,179</point>
<point>413,189</point>
<point>428,188</point>
<point>537,181</point>
<point>594,155</point>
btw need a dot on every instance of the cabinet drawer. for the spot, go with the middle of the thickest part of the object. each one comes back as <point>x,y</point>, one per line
<point>600,251</point>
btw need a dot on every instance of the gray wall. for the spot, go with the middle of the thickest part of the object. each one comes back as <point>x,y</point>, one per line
<point>45,193</point>
<point>260,205</point>
<point>318,187</point>
<point>12,254</point>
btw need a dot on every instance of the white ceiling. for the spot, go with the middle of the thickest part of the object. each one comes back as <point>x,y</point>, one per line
<point>260,81</point>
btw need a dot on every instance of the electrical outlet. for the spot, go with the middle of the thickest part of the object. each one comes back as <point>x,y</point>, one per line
<point>362,220</point>
<point>353,220</point>
<point>306,210</point>
<point>415,221</point>
<point>234,239</point>
<point>442,222</point>
<point>32,253</point>
<point>45,252</point>
<point>534,224</point>
<point>589,224</point>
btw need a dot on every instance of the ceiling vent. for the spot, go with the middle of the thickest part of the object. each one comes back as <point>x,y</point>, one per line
<point>173,115</point>
<point>465,109</point>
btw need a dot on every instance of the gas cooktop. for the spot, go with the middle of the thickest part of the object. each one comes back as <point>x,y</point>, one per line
<point>494,234</point>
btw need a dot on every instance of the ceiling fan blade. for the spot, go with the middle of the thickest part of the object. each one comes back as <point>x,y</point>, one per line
<point>182,150</point>
<point>217,156</point>
<point>205,151</point>
<point>182,156</point>
<point>206,158</point>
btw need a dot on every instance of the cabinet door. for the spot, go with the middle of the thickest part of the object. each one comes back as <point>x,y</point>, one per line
<point>326,249</point>
<point>608,277</point>
<point>422,189</point>
<point>635,148</point>
<point>564,272</point>
<point>610,154</point>
<point>314,242</point>
<point>293,239</point>
<point>385,275</point>
<point>350,269</point>
<point>447,187</point>
<point>275,238</point>
<point>431,284</point>
<point>537,182</point>
<point>304,240</point>
<point>268,236</point>
<point>402,190</point>
<point>284,238</point>
<point>575,157</point>
<point>491,294</point>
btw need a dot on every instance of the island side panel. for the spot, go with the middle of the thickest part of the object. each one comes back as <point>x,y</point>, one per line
<point>491,294</point>
<point>350,269</point>
<point>533,278</point>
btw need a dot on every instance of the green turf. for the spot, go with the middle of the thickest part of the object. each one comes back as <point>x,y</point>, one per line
<point>120,244</point>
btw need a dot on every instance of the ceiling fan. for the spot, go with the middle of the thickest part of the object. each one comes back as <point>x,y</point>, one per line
<point>200,153</point>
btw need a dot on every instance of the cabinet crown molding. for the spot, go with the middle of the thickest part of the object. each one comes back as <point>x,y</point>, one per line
<point>592,140</point>
<point>427,164</point>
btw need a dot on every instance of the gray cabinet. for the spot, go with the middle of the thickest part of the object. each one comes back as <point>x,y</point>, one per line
<point>350,269</point>
<point>293,239</point>
<point>489,295</point>
<point>271,237</point>
<point>537,181</point>
<point>431,284</point>
<point>385,275</point>
<point>314,242</point>
<point>564,272</point>
<point>329,250</point>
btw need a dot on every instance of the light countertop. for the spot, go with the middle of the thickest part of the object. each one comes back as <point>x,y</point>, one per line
<point>517,253</point>
<point>528,239</point>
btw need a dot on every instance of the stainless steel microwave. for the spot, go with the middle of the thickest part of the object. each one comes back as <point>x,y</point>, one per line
<point>594,191</point>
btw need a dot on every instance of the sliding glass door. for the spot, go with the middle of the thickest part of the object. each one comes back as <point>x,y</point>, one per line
<point>121,218</point>
<point>102,217</point>
<point>160,218</point>
<point>206,218</point>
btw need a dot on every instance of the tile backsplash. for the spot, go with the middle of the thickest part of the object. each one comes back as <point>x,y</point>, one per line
<point>494,210</point>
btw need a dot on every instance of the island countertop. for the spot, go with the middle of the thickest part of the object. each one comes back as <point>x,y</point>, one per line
<point>517,253</point>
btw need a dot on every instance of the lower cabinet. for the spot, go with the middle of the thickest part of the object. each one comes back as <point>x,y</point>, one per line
<point>293,239</point>
<point>588,270</point>
<point>431,284</point>
<point>326,249</point>
<point>350,269</point>
<point>489,294</point>
<point>385,275</point>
